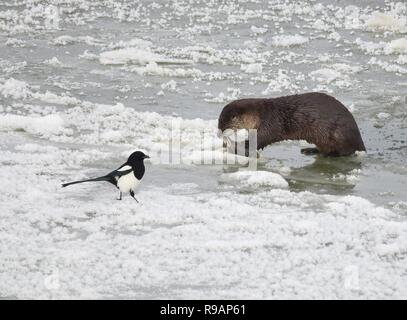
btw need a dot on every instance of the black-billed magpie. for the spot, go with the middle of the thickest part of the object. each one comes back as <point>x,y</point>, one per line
<point>126,178</point>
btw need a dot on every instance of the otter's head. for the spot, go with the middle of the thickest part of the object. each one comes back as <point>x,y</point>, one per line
<point>237,118</point>
<point>234,125</point>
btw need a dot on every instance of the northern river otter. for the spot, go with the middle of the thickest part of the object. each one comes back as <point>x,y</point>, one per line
<point>315,117</point>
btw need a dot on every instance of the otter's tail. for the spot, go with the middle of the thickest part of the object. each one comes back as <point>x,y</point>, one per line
<point>104,178</point>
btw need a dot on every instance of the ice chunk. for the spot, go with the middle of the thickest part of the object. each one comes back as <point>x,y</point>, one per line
<point>386,21</point>
<point>258,30</point>
<point>396,46</point>
<point>15,89</point>
<point>289,40</point>
<point>256,179</point>
<point>252,68</point>
<point>136,56</point>
<point>46,125</point>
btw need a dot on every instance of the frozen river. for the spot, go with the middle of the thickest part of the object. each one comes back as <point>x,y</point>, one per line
<point>85,83</point>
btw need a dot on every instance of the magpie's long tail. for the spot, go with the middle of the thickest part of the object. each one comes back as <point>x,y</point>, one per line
<point>104,178</point>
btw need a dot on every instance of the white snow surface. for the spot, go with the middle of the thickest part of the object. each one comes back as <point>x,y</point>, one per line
<point>386,21</point>
<point>257,179</point>
<point>289,40</point>
<point>135,56</point>
<point>66,243</point>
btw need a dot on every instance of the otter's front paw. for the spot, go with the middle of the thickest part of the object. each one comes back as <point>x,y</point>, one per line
<point>309,151</point>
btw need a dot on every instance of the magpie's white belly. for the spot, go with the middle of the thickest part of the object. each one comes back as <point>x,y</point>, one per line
<point>128,182</point>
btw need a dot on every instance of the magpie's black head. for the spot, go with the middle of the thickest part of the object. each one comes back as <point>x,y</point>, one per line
<point>136,157</point>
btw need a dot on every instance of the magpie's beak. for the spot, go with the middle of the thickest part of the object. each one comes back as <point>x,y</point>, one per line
<point>146,157</point>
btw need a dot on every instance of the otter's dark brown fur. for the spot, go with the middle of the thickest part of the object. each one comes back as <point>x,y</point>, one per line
<point>315,117</point>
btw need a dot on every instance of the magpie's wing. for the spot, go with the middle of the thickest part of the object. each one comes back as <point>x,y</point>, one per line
<point>116,174</point>
<point>111,177</point>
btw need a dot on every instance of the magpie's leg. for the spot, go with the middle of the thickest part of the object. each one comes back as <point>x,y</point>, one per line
<point>309,151</point>
<point>120,195</point>
<point>132,195</point>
